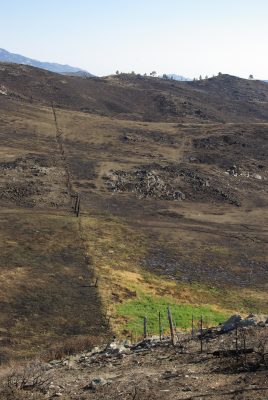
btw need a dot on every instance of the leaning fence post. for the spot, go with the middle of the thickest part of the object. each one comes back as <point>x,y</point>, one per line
<point>173,341</point>
<point>78,206</point>
<point>144,327</point>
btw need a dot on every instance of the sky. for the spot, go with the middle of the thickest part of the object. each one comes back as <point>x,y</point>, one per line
<point>186,37</point>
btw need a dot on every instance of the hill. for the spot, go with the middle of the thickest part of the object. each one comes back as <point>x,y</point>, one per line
<point>6,56</point>
<point>221,99</point>
<point>172,182</point>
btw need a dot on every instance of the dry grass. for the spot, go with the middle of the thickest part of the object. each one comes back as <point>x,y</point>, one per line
<point>46,294</point>
<point>117,252</point>
<point>196,252</point>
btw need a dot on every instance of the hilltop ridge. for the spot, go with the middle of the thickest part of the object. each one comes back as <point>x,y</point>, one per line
<point>126,96</point>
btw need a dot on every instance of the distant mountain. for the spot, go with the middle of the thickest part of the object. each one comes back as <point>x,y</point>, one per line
<point>6,56</point>
<point>178,77</point>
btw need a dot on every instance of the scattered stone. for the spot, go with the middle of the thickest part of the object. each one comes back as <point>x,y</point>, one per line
<point>95,383</point>
<point>171,182</point>
<point>233,170</point>
<point>257,176</point>
<point>55,362</point>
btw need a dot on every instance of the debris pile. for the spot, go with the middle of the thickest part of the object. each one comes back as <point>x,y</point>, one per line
<point>171,182</point>
<point>145,182</point>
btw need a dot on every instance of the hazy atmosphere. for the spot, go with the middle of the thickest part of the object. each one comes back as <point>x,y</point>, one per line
<point>176,36</point>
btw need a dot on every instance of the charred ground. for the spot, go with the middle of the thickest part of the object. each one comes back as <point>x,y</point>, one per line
<point>173,184</point>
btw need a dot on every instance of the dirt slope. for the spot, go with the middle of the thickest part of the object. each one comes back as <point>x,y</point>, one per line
<point>221,99</point>
<point>172,178</point>
<point>151,370</point>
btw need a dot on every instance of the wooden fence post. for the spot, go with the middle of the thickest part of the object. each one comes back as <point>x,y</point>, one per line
<point>78,206</point>
<point>160,325</point>
<point>173,341</point>
<point>201,334</point>
<point>75,202</point>
<point>192,325</point>
<point>144,327</point>
<point>236,341</point>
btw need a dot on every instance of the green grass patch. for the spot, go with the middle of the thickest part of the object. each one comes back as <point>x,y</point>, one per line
<point>132,313</point>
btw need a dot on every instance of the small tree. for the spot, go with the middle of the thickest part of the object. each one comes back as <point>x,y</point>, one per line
<point>165,76</point>
<point>200,77</point>
<point>219,74</point>
<point>117,72</point>
<point>250,76</point>
<point>153,73</point>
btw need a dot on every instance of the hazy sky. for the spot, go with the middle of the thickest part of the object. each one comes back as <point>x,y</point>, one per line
<point>187,37</point>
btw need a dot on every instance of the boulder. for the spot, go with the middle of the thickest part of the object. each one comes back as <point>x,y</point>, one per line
<point>231,323</point>
<point>237,320</point>
<point>254,319</point>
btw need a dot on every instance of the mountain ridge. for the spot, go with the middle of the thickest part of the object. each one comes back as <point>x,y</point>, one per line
<point>6,56</point>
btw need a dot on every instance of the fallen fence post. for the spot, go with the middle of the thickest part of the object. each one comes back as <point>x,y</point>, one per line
<point>96,282</point>
<point>171,327</point>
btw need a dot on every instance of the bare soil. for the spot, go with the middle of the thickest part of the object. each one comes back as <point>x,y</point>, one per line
<point>182,165</point>
<point>157,370</point>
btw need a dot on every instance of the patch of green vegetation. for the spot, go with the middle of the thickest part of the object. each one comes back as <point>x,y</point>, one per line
<point>129,291</point>
<point>132,313</point>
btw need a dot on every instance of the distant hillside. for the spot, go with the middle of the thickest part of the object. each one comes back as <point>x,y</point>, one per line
<point>6,56</point>
<point>220,99</point>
